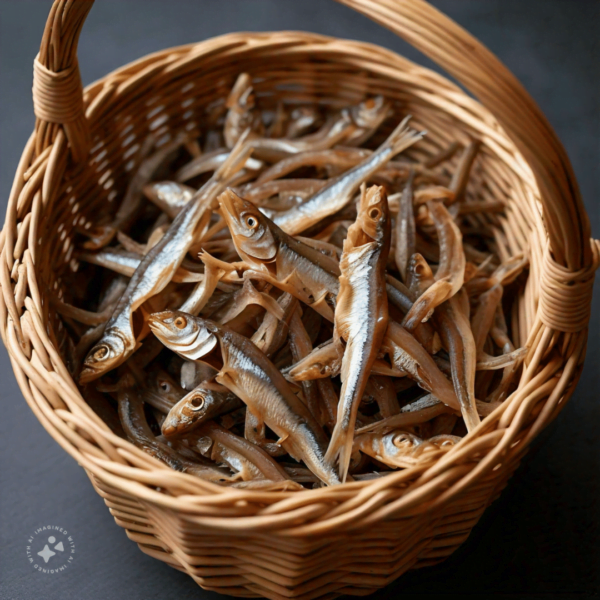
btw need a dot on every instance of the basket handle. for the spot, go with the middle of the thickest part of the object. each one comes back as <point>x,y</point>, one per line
<point>58,101</point>
<point>57,89</point>
<point>481,72</point>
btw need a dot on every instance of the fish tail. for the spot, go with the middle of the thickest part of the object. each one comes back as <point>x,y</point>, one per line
<point>236,160</point>
<point>403,136</point>
<point>340,449</point>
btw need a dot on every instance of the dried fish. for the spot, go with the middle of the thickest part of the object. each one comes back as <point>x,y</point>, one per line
<point>450,274</point>
<point>251,376</point>
<point>155,271</point>
<point>246,460</point>
<point>361,315</point>
<point>339,192</point>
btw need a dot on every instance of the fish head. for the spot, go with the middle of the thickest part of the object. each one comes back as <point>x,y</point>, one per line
<point>374,214</point>
<point>250,229</point>
<point>192,410</point>
<point>444,441</point>
<point>163,385</point>
<point>404,439</point>
<point>106,355</point>
<point>302,119</point>
<point>418,269</point>
<point>242,94</point>
<point>188,336</point>
<point>370,113</point>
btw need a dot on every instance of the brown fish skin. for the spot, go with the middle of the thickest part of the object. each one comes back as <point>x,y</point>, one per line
<point>339,157</point>
<point>205,402</point>
<point>449,277</point>
<point>406,231</point>
<point>155,272</point>
<point>457,338</point>
<point>361,315</point>
<point>273,332</point>
<point>246,459</point>
<point>240,115</point>
<point>454,328</point>
<point>347,126</point>
<point>276,257</point>
<point>169,196</point>
<point>461,175</point>
<point>326,361</point>
<point>133,420</point>
<point>251,376</point>
<point>260,193</point>
<point>301,346</point>
<point>401,449</point>
<point>337,194</point>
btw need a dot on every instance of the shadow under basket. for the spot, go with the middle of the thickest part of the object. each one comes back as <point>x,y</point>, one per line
<point>347,539</point>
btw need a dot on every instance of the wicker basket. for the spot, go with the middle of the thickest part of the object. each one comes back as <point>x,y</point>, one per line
<point>349,539</point>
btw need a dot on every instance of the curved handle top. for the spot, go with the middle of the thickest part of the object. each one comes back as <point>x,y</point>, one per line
<point>58,99</point>
<point>485,76</point>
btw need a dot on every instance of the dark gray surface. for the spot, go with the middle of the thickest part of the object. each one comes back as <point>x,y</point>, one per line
<point>541,537</point>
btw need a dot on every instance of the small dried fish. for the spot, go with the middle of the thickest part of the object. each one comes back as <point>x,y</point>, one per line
<point>340,191</point>
<point>240,114</point>
<point>450,274</point>
<point>205,402</point>
<point>155,271</point>
<point>278,258</point>
<point>133,420</point>
<point>246,460</point>
<point>402,449</point>
<point>361,315</point>
<point>405,228</point>
<point>251,376</point>
<point>169,196</point>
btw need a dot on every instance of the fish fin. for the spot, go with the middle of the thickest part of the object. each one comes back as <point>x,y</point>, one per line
<point>210,261</point>
<point>426,303</point>
<point>282,439</point>
<point>236,160</point>
<point>321,362</point>
<point>262,299</point>
<point>340,450</point>
<point>403,136</point>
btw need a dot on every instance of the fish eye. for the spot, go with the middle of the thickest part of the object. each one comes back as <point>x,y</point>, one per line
<point>252,222</point>
<point>197,402</point>
<point>374,213</point>
<point>164,385</point>
<point>101,353</point>
<point>402,440</point>
<point>180,322</point>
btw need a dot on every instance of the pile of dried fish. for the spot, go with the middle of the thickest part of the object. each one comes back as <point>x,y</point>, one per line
<point>296,305</point>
